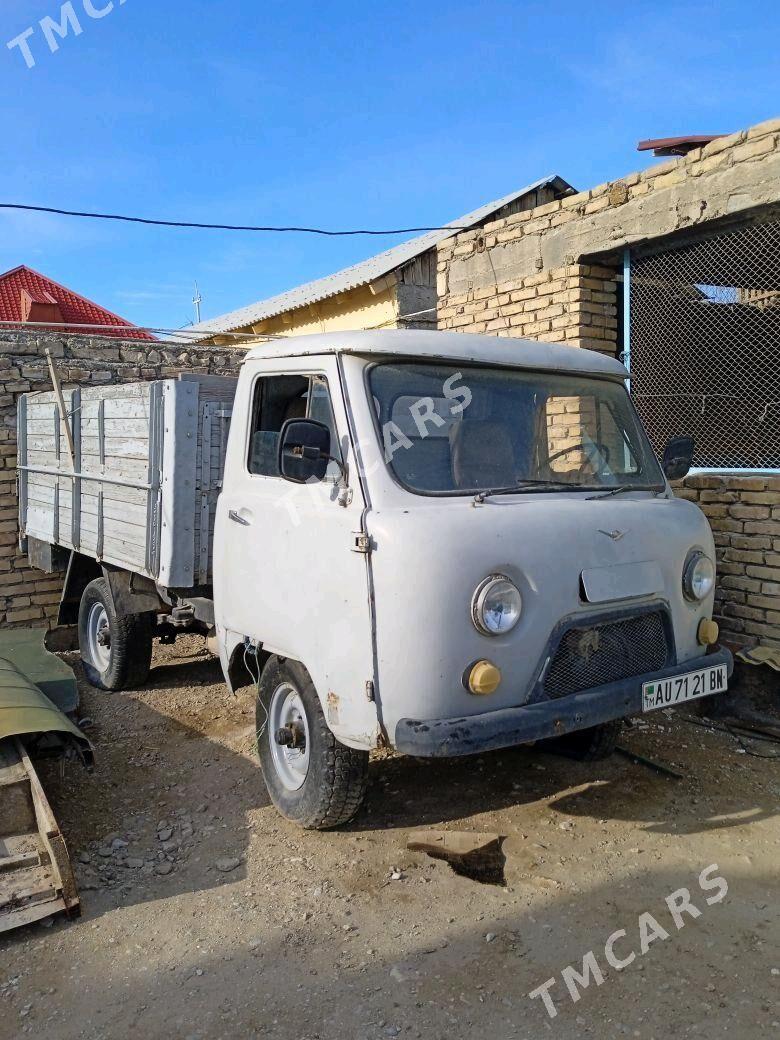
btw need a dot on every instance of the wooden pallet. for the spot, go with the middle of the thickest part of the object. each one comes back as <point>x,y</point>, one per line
<point>36,877</point>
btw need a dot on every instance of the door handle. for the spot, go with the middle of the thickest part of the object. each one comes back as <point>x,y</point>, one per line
<point>239,519</point>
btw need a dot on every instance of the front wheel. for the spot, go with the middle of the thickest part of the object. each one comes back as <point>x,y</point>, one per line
<point>587,745</point>
<point>116,651</point>
<point>312,778</point>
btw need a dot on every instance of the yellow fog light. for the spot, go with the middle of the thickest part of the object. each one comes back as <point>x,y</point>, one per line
<point>483,678</point>
<point>708,632</point>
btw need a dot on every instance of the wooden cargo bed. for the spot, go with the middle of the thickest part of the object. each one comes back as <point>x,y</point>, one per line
<point>140,491</point>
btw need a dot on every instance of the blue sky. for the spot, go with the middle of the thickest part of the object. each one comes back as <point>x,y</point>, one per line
<point>336,115</point>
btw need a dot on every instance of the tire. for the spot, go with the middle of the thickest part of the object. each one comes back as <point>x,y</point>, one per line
<point>587,745</point>
<point>126,659</point>
<point>321,783</point>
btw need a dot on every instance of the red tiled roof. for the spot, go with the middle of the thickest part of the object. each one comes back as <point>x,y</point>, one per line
<point>75,310</point>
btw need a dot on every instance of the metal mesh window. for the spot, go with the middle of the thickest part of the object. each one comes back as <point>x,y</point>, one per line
<point>705,346</point>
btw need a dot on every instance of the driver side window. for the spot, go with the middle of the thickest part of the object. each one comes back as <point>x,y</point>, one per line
<point>279,398</point>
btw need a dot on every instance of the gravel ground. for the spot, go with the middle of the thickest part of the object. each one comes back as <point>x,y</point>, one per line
<point>207,916</point>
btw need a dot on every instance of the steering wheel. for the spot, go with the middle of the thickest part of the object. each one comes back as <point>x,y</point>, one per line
<point>590,451</point>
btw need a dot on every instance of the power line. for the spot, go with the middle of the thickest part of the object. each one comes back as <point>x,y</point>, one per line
<point>221,227</point>
<point>400,317</point>
<point>183,336</point>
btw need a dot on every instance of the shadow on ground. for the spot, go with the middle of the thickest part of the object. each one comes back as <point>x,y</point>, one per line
<point>386,977</point>
<point>177,757</point>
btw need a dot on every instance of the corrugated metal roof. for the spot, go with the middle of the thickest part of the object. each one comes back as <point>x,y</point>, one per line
<point>364,272</point>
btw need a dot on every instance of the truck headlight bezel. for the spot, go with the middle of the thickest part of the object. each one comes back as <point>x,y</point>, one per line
<point>490,591</point>
<point>698,579</point>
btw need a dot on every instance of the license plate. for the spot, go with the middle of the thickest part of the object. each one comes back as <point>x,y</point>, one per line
<point>665,693</point>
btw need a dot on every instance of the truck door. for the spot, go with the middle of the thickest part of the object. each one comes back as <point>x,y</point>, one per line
<point>286,570</point>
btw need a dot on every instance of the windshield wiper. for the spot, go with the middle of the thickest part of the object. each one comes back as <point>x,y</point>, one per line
<point>626,487</point>
<point>528,482</point>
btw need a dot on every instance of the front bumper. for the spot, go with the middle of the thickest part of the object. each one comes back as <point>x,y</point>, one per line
<point>507,727</point>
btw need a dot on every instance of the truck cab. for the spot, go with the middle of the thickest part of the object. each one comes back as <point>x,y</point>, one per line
<point>448,544</point>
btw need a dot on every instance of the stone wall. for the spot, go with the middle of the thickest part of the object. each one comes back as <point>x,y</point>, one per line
<point>27,596</point>
<point>553,273</point>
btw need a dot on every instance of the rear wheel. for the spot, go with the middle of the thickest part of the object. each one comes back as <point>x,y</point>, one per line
<point>587,745</point>
<point>312,778</point>
<point>116,651</point>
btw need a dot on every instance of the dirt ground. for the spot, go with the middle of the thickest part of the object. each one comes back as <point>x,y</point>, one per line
<point>207,916</point>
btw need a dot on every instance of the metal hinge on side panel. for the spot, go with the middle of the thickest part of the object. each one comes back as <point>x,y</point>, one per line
<point>370,691</point>
<point>361,543</point>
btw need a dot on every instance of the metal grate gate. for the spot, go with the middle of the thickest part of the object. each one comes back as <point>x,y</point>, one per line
<point>704,346</point>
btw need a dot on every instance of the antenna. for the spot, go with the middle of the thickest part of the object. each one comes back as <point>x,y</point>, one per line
<point>197,299</point>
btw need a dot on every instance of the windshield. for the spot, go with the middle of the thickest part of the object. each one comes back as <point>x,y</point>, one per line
<point>450,429</point>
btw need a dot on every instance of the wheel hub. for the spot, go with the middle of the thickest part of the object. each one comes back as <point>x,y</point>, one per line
<point>293,736</point>
<point>288,734</point>
<point>99,636</point>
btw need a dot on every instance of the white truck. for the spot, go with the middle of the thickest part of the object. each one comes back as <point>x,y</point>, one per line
<point>434,541</point>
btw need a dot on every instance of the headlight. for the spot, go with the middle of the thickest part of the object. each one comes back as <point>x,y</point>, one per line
<point>698,576</point>
<point>496,605</point>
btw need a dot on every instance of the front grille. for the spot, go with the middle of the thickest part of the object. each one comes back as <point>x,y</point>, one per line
<point>598,654</point>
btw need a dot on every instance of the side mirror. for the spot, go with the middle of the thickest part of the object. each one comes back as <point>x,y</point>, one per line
<point>678,456</point>
<point>304,450</point>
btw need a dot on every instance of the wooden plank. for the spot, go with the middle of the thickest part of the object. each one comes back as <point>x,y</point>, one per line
<point>125,496</point>
<point>127,427</point>
<point>129,512</point>
<point>114,448</point>
<point>130,408</point>
<point>16,808</point>
<point>66,421</point>
<point>117,411</point>
<point>39,410</point>
<point>37,424</point>
<point>11,768</point>
<point>130,544</point>
<point>40,522</point>
<point>24,859</point>
<point>43,458</point>
<point>43,480</point>
<point>117,391</point>
<point>126,469</point>
<point>30,886</point>
<point>133,534</point>
<point>43,443</point>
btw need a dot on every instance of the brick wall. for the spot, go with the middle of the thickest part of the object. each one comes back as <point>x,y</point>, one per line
<point>576,305</point>
<point>744,514</point>
<point>552,244</point>
<point>27,596</point>
<point>552,274</point>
